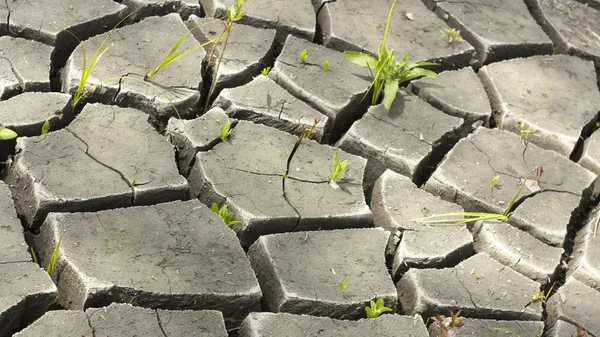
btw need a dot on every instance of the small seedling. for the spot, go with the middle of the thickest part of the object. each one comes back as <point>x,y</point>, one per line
<point>225,131</point>
<point>88,69</point>
<point>303,56</point>
<point>265,71</point>
<point>344,285</point>
<point>337,169</point>
<point>459,218</point>
<point>233,14</point>
<point>495,180</point>
<point>455,322</point>
<point>7,134</point>
<point>46,127</point>
<point>377,308</point>
<point>581,332</point>
<point>53,258</point>
<point>452,35</point>
<point>326,65</point>
<point>175,55</point>
<point>389,73</point>
<point>225,214</point>
<point>525,133</point>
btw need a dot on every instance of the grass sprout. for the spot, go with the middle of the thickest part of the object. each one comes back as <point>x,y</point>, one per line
<point>452,35</point>
<point>458,218</point>
<point>326,65</point>
<point>225,214</point>
<point>377,308</point>
<point>88,69</point>
<point>389,73</point>
<point>175,55</point>
<point>53,258</point>
<point>265,71</point>
<point>7,134</point>
<point>46,127</point>
<point>337,168</point>
<point>225,131</point>
<point>344,285</point>
<point>303,56</point>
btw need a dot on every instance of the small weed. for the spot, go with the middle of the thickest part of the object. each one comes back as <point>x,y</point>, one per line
<point>225,214</point>
<point>234,14</point>
<point>581,332</point>
<point>46,127</point>
<point>265,71</point>
<point>225,131</point>
<point>53,258</point>
<point>458,218</point>
<point>344,285</point>
<point>389,73</point>
<point>35,259</point>
<point>7,134</point>
<point>173,55</point>
<point>525,133</point>
<point>455,322</point>
<point>303,56</point>
<point>337,168</point>
<point>88,69</point>
<point>377,308</point>
<point>495,180</point>
<point>452,35</point>
<point>326,65</point>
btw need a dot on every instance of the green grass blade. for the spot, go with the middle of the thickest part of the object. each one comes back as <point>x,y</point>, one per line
<point>515,198</point>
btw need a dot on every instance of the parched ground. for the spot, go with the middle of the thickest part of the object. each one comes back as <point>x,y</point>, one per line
<point>120,189</point>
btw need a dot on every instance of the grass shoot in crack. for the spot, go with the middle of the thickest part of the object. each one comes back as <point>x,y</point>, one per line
<point>7,134</point>
<point>452,35</point>
<point>454,321</point>
<point>225,214</point>
<point>389,73</point>
<point>175,55</point>
<point>225,131</point>
<point>88,69</point>
<point>234,14</point>
<point>337,169</point>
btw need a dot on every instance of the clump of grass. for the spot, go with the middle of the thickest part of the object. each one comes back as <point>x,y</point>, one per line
<point>377,308</point>
<point>338,168</point>
<point>88,69</point>
<point>389,73</point>
<point>175,55</point>
<point>452,35</point>
<point>233,14</point>
<point>7,134</point>
<point>225,131</point>
<point>225,214</point>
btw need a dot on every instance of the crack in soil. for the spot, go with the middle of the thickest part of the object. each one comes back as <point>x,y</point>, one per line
<point>412,134</point>
<point>129,184</point>
<point>15,72</point>
<point>8,18</point>
<point>90,324</point>
<point>468,292</point>
<point>162,329</point>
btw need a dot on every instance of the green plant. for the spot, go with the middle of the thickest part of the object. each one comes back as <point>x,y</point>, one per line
<point>173,55</point>
<point>457,218</point>
<point>495,180</point>
<point>303,56</point>
<point>225,131</point>
<point>265,71</point>
<point>326,65</point>
<point>389,73</point>
<point>377,308</point>
<point>455,322</point>
<point>337,168</point>
<point>452,35</point>
<point>233,14</point>
<point>88,69</point>
<point>46,127</point>
<point>7,134</point>
<point>344,285</point>
<point>525,133</point>
<point>53,258</point>
<point>225,214</point>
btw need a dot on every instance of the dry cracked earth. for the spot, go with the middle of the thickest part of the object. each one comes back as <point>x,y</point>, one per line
<point>125,186</point>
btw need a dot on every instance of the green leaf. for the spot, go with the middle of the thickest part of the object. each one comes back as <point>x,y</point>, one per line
<point>46,127</point>
<point>390,90</point>
<point>361,59</point>
<point>344,285</point>
<point>215,208</point>
<point>6,134</point>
